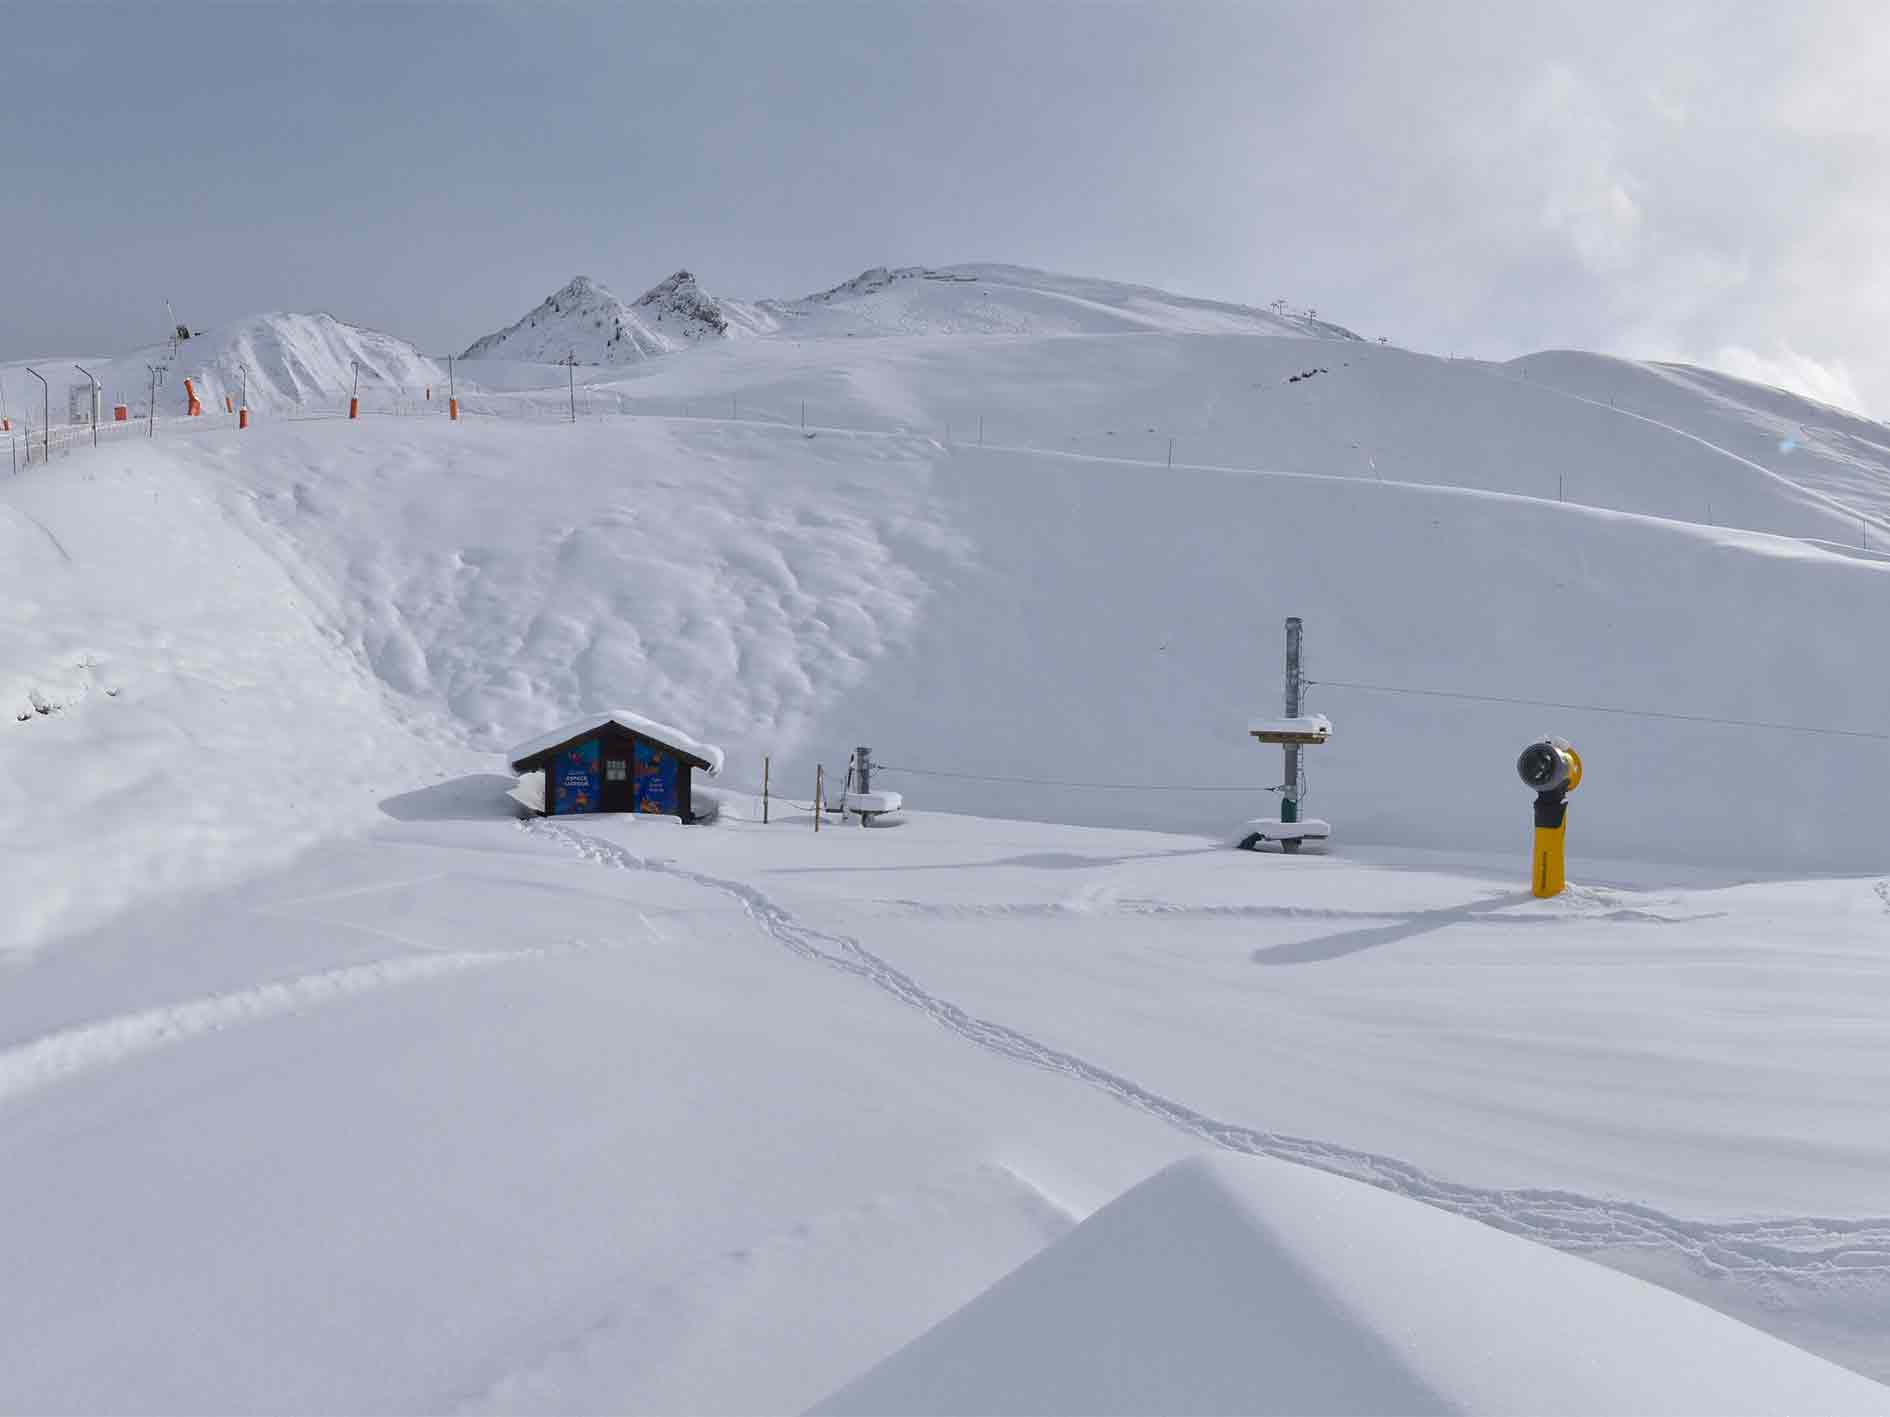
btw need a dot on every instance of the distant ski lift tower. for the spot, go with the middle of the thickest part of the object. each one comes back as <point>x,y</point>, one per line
<point>1296,731</point>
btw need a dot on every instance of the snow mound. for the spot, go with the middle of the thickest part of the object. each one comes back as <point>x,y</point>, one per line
<point>627,719</point>
<point>1229,1284</point>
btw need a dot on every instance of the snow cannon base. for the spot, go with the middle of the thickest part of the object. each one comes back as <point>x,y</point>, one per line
<point>871,804</point>
<point>1288,834</point>
<point>1305,730</point>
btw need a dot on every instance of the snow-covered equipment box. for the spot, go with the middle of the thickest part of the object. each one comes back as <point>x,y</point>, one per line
<point>1305,729</point>
<point>871,804</point>
<point>859,796</point>
<point>616,761</point>
<point>1262,829</point>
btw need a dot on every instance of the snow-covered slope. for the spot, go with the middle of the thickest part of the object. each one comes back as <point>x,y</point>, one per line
<point>1017,300</point>
<point>1244,1286</point>
<point>586,321</point>
<point>1092,632</point>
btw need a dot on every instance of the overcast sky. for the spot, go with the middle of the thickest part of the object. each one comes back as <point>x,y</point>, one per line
<point>1707,182</point>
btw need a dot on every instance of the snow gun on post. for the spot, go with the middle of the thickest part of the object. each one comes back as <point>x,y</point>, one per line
<point>1552,769</point>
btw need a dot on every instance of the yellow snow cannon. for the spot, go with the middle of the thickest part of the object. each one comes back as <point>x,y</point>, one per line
<point>1551,769</point>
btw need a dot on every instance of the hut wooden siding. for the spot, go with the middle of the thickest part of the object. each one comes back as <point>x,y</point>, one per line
<point>610,768</point>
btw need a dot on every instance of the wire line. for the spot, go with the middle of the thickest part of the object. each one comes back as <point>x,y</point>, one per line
<point>1604,708</point>
<point>1065,782</point>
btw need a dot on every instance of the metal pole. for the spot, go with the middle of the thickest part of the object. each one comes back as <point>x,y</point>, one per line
<point>45,416</point>
<point>764,789</point>
<point>570,381</point>
<point>355,392</point>
<point>1289,799</point>
<point>1171,452</point>
<point>93,384</point>
<point>862,772</point>
<point>150,409</point>
<point>245,369</point>
<point>820,788</point>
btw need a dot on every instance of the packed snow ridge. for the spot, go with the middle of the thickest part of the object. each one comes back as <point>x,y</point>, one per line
<point>1226,1284</point>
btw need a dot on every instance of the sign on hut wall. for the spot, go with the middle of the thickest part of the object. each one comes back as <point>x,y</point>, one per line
<point>576,779</point>
<point>655,780</point>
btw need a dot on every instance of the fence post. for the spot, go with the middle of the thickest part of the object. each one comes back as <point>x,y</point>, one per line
<point>45,418</point>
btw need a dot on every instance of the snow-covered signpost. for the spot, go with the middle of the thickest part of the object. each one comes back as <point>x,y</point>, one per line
<point>1295,731</point>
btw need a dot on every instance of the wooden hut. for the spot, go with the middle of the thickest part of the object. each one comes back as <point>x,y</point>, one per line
<point>617,761</point>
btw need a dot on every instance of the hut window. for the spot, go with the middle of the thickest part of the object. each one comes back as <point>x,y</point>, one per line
<point>615,770</point>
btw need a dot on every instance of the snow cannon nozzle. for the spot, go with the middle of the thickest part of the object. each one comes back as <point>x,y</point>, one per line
<point>1550,766</point>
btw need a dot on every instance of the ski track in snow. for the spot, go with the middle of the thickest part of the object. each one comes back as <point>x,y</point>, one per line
<point>53,1057</point>
<point>1801,1251</point>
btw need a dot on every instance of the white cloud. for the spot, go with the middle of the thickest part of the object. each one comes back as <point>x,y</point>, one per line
<point>1828,382</point>
<point>1570,142</point>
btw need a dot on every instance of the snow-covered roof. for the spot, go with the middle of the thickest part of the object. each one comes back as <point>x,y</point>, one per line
<point>623,718</point>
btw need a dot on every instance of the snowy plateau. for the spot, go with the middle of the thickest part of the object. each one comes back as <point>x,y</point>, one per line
<point>330,1081</point>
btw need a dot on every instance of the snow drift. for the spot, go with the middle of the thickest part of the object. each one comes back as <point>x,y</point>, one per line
<point>1241,1285</point>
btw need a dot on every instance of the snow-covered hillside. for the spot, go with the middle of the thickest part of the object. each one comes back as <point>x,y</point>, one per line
<point>1057,620</point>
<point>296,363</point>
<point>586,321</point>
<point>1017,300</point>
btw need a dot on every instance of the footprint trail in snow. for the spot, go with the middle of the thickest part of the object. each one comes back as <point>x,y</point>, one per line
<point>1769,1256</point>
